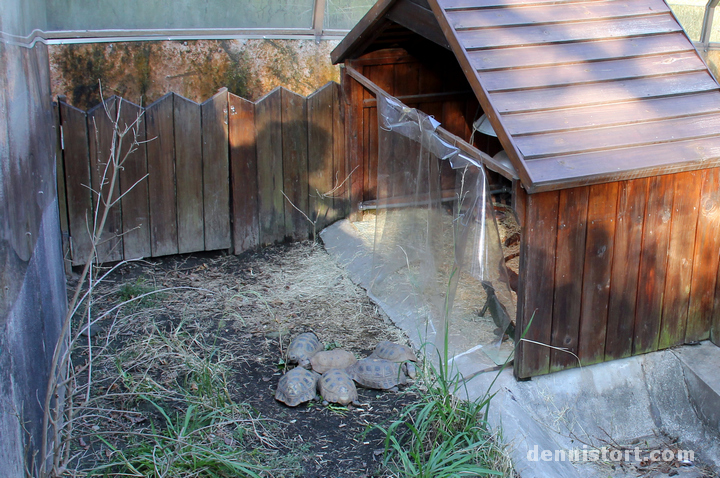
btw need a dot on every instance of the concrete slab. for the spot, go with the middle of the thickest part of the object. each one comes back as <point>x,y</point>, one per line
<point>667,401</point>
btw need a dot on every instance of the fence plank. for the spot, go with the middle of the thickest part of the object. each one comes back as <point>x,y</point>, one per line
<point>188,175</point>
<point>135,207</point>
<point>216,172</point>
<point>680,258</point>
<point>572,226</point>
<point>76,158</point>
<point>243,169</point>
<point>101,131</point>
<point>161,179</point>
<point>295,163</point>
<point>632,198</point>
<point>60,187</point>
<point>355,143</point>
<point>320,155</point>
<point>341,195</point>
<point>271,207</point>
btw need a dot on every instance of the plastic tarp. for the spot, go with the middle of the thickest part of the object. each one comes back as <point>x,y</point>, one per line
<point>437,256</point>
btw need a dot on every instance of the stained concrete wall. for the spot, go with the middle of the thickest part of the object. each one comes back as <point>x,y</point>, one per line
<point>143,72</point>
<point>32,282</point>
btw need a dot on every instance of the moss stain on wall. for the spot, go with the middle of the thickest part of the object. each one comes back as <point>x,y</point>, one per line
<point>194,69</point>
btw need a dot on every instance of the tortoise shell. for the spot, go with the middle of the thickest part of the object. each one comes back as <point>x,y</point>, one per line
<point>394,352</point>
<point>302,348</point>
<point>323,361</point>
<point>378,373</point>
<point>297,386</point>
<point>336,386</point>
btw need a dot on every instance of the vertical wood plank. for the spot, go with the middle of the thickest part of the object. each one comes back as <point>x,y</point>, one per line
<point>101,131</point>
<point>384,77</point>
<point>341,205</point>
<point>134,185</point>
<point>243,169</point>
<point>653,263</point>
<point>535,297</point>
<point>706,259</point>
<point>76,159</point>
<point>321,170</point>
<point>602,211</point>
<point>355,143</point>
<point>680,258</point>
<point>271,203</point>
<point>295,164</point>
<point>216,172</point>
<point>572,215</point>
<point>60,187</point>
<point>632,197</point>
<point>188,175</point>
<point>159,128</point>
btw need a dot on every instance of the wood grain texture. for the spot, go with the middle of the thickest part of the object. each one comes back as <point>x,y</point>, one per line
<point>60,187</point>
<point>680,258</point>
<point>76,158</point>
<point>341,204</point>
<point>134,185</point>
<point>243,169</point>
<point>537,266</point>
<point>653,263</point>
<point>355,142</point>
<point>101,131</point>
<point>569,262</point>
<point>599,248</point>
<point>159,124</point>
<point>189,172</point>
<point>706,259</point>
<point>216,172</point>
<point>295,164</point>
<point>632,198</point>
<point>321,169</point>
<point>271,203</point>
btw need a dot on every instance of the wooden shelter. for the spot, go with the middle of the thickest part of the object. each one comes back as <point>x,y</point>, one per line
<point>611,123</point>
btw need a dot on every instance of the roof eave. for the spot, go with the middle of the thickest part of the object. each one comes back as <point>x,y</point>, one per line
<point>363,32</point>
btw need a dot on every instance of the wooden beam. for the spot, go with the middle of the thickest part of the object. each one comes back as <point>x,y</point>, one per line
<point>449,96</point>
<point>418,20</point>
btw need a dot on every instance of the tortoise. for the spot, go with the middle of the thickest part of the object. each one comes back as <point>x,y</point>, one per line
<point>378,373</point>
<point>302,348</point>
<point>336,386</point>
<point>323,361</point>
<point>393,352</point>
<point>297,386</point>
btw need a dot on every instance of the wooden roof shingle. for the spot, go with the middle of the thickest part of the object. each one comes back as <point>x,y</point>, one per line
<point>579,91</point>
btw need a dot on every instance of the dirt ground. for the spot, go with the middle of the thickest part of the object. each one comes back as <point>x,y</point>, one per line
<point>246,309</point>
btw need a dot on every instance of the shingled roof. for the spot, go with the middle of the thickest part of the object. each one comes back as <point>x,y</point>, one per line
<point>578,91</point>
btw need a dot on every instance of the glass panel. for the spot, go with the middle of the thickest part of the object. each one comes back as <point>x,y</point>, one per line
<point>690,14</point>
<point>178,14</point>
<point>715,31</point>
<point>344,14</point>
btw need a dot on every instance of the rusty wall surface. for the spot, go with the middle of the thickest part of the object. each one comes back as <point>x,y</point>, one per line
<point>142,72</point>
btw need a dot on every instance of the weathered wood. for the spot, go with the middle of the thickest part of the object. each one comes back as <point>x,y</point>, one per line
<point>419,20</point>
<point>295,164</point>
<point>101,130</point>
<point>535,295</point>
<point>159,126</point>
<point>653,263</point>
<point>583,52</point>
<point>355,141</point>
<point>60,187</point>
<point>76,158</point>
<point>632,198</point>
<point>342,171</point>
<point>271,203</point>
<point>680,258</point>
<point>134,184</point>
<point>321,169</point>
<point>599,248</point>
<point>706,259</point>
<point>243,168</point>
<point>216,172</point>
<point>571,230</point>
<point>189,172</point>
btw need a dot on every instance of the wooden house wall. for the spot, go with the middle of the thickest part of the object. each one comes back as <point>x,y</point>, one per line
<point>618,269</point>
<point>435,86</point>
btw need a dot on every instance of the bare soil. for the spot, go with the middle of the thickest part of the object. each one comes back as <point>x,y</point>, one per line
<point>249,307</point>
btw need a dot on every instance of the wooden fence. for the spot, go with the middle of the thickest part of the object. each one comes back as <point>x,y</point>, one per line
<point>216,173</point>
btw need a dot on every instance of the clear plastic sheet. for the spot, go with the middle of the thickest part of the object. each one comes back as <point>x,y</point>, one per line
<point>437,254</point>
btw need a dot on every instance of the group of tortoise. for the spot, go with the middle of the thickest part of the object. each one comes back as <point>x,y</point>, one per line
<point>334,372</point>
